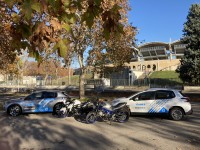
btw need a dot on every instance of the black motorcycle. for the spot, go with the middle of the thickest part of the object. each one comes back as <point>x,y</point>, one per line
<point>105,111</point>
<point>74,107</point>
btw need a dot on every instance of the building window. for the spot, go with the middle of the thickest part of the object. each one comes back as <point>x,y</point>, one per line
<point>139,67</point>
<point>143,67</point>
<point>148,66</point>
<point>154,67</point>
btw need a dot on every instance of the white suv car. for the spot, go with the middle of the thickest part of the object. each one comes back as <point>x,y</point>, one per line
<point>158,101</point>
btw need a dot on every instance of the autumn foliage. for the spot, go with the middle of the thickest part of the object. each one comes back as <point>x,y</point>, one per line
<point>62,28</point>
<point>32,69</point>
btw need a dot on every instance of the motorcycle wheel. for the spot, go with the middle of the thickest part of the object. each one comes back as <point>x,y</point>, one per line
<point>57,111</point>
<point>62,114</point>
<point>122,116</point>
<point>91,117</point>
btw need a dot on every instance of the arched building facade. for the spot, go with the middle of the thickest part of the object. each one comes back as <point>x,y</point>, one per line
<point>156,56</point>
<point>153,56</point>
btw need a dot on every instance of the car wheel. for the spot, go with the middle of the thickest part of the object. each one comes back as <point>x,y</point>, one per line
<point>14,110</point>
<point>57,108</point>
<point>176,113</point>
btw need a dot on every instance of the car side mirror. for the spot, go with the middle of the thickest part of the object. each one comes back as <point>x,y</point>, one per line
<point>136,99</point>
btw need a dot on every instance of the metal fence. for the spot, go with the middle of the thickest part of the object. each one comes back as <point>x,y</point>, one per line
<point>58,82</point>
<point>147,82</point>
<point>112,83</point>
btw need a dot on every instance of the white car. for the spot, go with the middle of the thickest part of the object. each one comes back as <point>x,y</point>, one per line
<point>158,101</point>
<point>37,102</point>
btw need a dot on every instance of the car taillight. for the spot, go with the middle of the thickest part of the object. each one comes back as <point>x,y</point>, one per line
<point>187,99</point>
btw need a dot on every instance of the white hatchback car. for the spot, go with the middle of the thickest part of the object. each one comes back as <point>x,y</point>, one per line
<point>158,101</point>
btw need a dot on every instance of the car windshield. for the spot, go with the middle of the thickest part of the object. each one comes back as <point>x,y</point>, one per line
<point>133,95</point>
<point>49,94</point>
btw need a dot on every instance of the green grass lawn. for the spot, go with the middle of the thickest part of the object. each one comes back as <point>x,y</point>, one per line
<point>165,75</point>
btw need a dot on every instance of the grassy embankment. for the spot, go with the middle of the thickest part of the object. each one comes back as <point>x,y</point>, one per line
<point>165,75</point>
<point>165,78</point>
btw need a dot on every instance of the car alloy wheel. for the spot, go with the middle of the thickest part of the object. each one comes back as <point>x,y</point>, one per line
<point>14,110</point>
<point>176,114</point>
<point>57,108</point>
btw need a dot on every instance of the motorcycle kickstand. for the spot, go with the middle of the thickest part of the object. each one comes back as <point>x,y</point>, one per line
<point>110,121</point>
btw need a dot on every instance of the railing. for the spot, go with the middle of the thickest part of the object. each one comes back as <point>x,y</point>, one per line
<point>153,48</point>
<point>58,82</point>
<point>180,46</point>
<point>174,83</point>
<point>151,83</point>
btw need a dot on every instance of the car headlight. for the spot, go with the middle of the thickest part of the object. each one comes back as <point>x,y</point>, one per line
<point>6,103</point>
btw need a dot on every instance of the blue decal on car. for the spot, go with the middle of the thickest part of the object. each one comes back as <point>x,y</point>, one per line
<point>156,106</point>
<point>143,104</point>
<point>163,110</point>
<point>152,110</point>
<point>43,105</point>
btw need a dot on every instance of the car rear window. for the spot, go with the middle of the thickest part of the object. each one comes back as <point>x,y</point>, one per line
<point>50,94</point>
<point>183,95</point>
<point>165,94</point>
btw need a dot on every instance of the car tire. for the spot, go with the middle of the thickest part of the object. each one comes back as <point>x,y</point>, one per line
<point>14,110</point>
<point>176,114</point>
<point>56,109</point>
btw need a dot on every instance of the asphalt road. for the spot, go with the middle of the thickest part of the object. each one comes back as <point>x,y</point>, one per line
<point>45,132</point>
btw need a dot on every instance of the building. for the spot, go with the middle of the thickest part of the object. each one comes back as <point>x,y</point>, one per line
<point>152,56</point>
<point>156,56</point>
<point>146,58</point>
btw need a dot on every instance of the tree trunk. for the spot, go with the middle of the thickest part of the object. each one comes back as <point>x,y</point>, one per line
<point>69,78</point>
<point>56,73</point>
<point>45,79</point>
<point>22,78</point>
<point>82,86</point>
<point>81,77</point>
